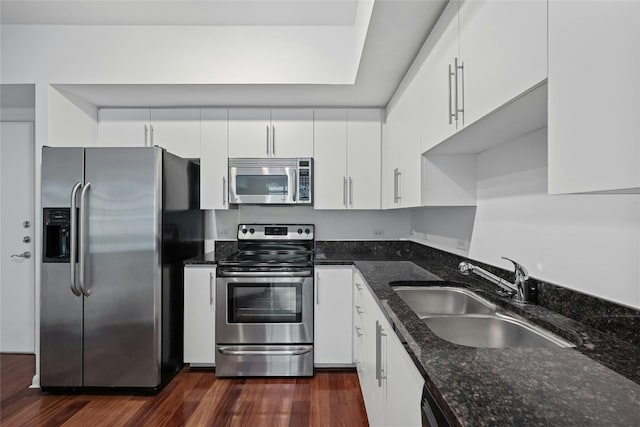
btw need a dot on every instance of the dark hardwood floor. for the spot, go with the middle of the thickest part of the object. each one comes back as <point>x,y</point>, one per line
<point>193,398</point>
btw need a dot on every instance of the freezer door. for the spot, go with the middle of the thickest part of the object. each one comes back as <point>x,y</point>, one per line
<point>122,313</point>
<point>60,309</point>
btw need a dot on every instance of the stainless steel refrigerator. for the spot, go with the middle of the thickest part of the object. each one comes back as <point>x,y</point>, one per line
<point>117,225</point>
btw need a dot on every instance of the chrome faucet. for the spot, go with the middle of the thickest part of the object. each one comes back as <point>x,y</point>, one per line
<point>519,289</point>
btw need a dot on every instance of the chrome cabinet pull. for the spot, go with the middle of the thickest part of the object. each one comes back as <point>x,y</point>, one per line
<point>358,329</point>
<point>344,191</point>
<point>152,131</point>
<point>383,367</point>
<point>224,191</point>
<point>267,140</point>
<point>451,114</point>
<point>399,179</point>
<point>273,140</point>
<point>82,239</point>
<point>460,87</point>
<point>210,289</point>
<point>146,135</point>
<point>350,192</point>
<point>378,344</point>
<point>359,309</point>
<point>317,288</point>
<point>358,286</point>
<point>74,239</point>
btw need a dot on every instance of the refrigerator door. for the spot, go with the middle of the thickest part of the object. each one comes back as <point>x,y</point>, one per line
<point>122,272</point>
<point>60,309</point>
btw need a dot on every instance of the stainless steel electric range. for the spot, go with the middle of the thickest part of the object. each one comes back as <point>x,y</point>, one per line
<point>264,303</point>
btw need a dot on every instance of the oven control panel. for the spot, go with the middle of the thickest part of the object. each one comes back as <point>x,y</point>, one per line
<point>276,232</point>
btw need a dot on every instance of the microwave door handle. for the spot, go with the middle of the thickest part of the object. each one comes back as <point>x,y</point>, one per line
<point>294,182</point>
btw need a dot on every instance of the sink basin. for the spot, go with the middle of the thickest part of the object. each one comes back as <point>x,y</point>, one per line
<point>462,317</point>
<point>430,301</point>
<point>491,331</point>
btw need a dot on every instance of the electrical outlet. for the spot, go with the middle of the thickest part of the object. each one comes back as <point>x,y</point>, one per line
<point>378,233</point>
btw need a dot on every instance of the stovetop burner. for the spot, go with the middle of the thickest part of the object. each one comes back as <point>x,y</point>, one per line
<point>273,246</point>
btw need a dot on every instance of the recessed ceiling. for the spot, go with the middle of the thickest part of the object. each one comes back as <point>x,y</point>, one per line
<point>394,34</point>
<point>180,12</point>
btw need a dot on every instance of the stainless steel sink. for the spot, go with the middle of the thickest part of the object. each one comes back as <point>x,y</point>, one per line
<point>492,331</point>
<point>443,300</point>
<point>462,317</point>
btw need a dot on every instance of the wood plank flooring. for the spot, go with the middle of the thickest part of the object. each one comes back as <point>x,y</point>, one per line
<point>193,398</point>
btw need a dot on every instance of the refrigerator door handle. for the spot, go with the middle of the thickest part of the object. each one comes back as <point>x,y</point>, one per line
<point>83,234</point>
<point>74,240</point>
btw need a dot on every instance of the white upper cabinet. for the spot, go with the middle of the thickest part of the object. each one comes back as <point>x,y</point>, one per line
<point>330,159</point>
<point>437,80</point>
<point>124,127</point>
<point>347,146</point>
<point>292,132</point>
<point>364,141</point>
<point>249,132</point>
<point>214,182</point>
<point>594,96</point>
<point>261,132</point>
<point>503,51</point>
<point>175,129</point>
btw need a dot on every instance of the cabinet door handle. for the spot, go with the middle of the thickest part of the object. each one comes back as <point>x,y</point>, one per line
<point>395,185</point>
<point>344,191</point>
<point>359,309</point>
<point>460,87</point>
<point>378,344</point>
<point>358,286</point>
<point>451,114</point>
<point>383,362</point>
<point>273,139</point>
<point>358,331</point>
<point>267,140</point>
<point>146,135</point>
<point>350,192</point>
<point>317,288</point>
<point>224,191</point>
<point>152,136</point>
<point>211,289</point>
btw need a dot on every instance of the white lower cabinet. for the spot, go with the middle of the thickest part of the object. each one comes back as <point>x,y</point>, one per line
<point>199,315</point>
<point>332,316</point>
<point>391,384</point>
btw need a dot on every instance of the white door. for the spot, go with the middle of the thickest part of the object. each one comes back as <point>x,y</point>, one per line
<point>124,127</point>
<point>332,341</point>
<point>504,48</point>
<point>330,159</point>
<point>214,184</point>
<point>177,130</point>
<point>17,293</point>
<point>199,315</point>
<point>249,132</point>
<point>439,87</point>
<point>363,155</point>
<point>292,132</point>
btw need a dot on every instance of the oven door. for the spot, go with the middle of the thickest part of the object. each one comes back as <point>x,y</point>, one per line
<point>264,310</point>
<point>262,184</point>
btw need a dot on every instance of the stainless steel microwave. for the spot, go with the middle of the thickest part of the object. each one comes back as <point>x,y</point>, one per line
<point>275,181</point>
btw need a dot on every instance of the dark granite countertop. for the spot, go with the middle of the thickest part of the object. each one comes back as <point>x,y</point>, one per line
<point>209,258</point>
<point>515,386</point>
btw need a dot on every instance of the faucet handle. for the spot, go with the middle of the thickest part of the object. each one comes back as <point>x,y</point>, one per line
<point>520,271</point>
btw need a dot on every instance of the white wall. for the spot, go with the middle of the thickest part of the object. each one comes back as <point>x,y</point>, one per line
<point>72,122</point>
<point>589,243</point>
<point>330,225</point>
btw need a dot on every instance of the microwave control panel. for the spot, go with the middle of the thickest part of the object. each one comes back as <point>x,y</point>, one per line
<point>304,181</point>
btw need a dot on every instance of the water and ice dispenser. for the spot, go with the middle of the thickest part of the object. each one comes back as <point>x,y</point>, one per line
<point>57,234</point>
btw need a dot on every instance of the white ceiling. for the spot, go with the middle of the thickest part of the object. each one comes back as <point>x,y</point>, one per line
<point>396,31</point>
<point>179,12</point>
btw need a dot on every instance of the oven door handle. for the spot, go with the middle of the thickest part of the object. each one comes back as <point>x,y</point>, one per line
<point>257,351</point>
<point>266,274</point>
